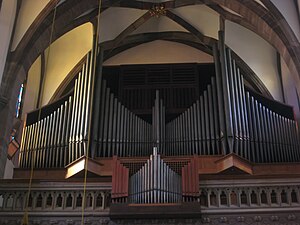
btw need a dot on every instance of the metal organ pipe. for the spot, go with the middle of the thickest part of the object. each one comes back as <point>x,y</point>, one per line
<point>233,103</point>
<point>215,115</point>
<point>155,182</point>
<point>225,118</point>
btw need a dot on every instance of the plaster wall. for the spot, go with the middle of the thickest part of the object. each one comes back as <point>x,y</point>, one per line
<point>64,54</point>
<point>257,53</point>
<point>201,17</point>
<point>29,10</point>
<point>32,87</point>
<point>290,92</point>
<point>160,52</point>
<point>114,20</point>
<point>289,10</point>
<point>160,24</point>
<point>7,18</point>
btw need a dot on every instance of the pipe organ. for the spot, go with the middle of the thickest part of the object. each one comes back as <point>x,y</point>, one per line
<point>225,118</point>
<point>196,131</point>
<point>155,182</point>
<point>45,143</point>
<point>119,131</point>
<point>159,128</point>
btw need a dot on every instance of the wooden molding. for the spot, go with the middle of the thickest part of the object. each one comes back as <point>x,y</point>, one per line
<point>79,166</point>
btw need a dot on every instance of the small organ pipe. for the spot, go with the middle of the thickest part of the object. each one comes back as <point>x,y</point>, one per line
<point>155,182</point>
<point>203,127</point>
<point>37,144</point>
<point>118,124</point>
<point>199,127</point>
<point>110,126</point>
<point>270,134</point>
<point>211,120</point>
<point>54,143</point>
<point>215,114</point>
<point>274,137</point>
<point>101,119</point>
<point>121,131</point>
<point>207,127</point>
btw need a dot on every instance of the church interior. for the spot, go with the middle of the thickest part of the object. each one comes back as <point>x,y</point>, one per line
<point>149,112</point>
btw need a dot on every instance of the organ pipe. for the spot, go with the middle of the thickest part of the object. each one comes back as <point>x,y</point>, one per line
<point>224,119</point>
<point>155,182</point>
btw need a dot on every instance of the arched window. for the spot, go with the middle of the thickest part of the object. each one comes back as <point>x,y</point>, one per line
<point>244,199</point>
<point>79,201</point>
<point>203,199</point>
<point>49,201</point>
<point>253,197</point>
<point>223,198</point>
<point>69,201</point>
<point>19,201</point>
<point>233,198</point>
<point>89,201</point>
<point>10,201</point>
<point>273,197</point>
<point>39,201</point>
<point>107,200</point>
<point>30,200</point>
<point>1,200</point>
<point>59,201</point>
<point>283,196</point>
<point>213,199</point>
<point>263,197</point>
<point>19,101</point>
<point>99,200</point>
<point>294,197</point>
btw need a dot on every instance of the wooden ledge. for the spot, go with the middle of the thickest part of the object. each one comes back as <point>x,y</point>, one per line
<point>77,168</point>
<point>150,211</point>
<point>233,164</point>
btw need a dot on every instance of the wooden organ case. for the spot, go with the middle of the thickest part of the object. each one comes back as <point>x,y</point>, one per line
<point>149,130</point>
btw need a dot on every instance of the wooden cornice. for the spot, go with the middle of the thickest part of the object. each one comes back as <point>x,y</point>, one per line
<point>78,167</point>
<point>209,167</point>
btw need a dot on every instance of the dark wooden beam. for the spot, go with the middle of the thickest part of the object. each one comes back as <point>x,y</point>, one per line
<point>134,40</point>
<point>279,69</point>
<point>185,25</point>
<point>132,27</point>
<point>42,78</point>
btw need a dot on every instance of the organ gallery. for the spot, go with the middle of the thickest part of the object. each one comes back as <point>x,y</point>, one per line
<point>135,135</point>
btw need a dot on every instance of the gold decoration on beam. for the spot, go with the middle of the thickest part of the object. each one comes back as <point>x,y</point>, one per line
<point>158,10</point>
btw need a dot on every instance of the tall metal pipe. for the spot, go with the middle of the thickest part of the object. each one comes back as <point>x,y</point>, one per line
<point>45,144</point>
<point>101,119</point>
<point>67,133</point>
<point>211,120</point>
<point>110,126</point>
<point>233,102</point>
<point>207,127</point>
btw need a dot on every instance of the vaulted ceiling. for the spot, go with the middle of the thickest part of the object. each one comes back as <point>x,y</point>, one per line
<point>138,26</point>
